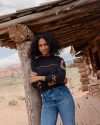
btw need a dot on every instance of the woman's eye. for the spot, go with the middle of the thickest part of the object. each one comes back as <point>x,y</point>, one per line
<point>39,45</point>
<point>46,44</point>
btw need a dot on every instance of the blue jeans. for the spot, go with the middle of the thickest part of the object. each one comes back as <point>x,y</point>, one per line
<point>56,100</point>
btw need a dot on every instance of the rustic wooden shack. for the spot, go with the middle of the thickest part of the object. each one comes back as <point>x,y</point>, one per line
<point>74,23</point>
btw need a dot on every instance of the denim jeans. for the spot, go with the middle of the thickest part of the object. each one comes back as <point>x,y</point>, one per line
<point>56,100</point>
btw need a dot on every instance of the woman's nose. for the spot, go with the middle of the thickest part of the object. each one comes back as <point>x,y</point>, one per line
<point>43,47</point>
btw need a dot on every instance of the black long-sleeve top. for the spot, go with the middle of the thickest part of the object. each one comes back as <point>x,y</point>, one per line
<point>52,67</point>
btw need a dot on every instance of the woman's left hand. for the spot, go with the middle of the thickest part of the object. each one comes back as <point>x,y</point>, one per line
<point>33,78</point>
<point>66,80</point>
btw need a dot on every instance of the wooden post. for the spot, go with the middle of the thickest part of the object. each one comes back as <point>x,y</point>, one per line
<point>33,96</point>
<point>20,34</point>
<point>92,61</point>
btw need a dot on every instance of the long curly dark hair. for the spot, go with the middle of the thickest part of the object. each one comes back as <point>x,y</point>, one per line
<point>55,46</point>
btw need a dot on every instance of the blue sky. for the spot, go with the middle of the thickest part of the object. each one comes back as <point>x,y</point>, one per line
<point>8,56</point>
<point>6,52</point>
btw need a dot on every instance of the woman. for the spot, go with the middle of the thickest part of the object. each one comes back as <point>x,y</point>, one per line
<point>48,75</point>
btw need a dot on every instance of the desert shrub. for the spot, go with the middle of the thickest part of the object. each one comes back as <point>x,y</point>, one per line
<point>22,97</point>
<point>72,65</point>
<point>2,98</point>
<point>13,102</point>
<point>79,88</point>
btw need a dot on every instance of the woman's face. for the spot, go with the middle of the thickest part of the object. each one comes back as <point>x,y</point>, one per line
<point>43,46</point>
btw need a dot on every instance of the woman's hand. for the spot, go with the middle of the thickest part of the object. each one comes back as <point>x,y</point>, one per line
<point>50,84</point>
<point>66,80</point>
<point>33,78</point>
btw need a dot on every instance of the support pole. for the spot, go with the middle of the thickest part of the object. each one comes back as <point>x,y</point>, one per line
<point>23,37</point>
<point>33,96</point>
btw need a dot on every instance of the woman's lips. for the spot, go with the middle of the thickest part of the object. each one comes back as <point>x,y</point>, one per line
<point>44,51</point>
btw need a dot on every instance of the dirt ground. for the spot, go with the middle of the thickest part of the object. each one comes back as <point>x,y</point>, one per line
<point>17,114</point>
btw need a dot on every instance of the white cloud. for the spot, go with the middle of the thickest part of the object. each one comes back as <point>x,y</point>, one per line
<point>66,51</point>
<point>11,6</point>
<point>13,59</point>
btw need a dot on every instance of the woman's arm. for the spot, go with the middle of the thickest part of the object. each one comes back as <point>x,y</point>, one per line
<point>35,78</point>
<point>34,75</point>
<point>59,77</point>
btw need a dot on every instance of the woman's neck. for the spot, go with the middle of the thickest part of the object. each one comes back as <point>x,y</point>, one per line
<point>46,55</point>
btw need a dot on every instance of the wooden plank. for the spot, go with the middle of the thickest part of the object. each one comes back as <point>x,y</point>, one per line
<point>51,3</point>
<point>84,79</point>
<point>95,101</point>
<point>95,115</point>
<point>65,2</point>
<point>80,118</point>
<point>80,65</point>
<point>76,115</point>
<point>8,16</point>
<point>44,8</point>
<point>89,120</point>
<point>84,74</point>
<point>24,13</point>
<point>5,20</point>
<point>76,122</point>
<point>79,54</point>
<point>78,60</point>
<point>82,70</point>
<point>5,30</point>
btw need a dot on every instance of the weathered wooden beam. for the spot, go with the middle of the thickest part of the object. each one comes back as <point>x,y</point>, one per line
<point>80,48</point>
<point>84,74</point>
<point>33,96</point>
<point>84,88</point>
<point>78,60</point>
<point>92,60</point>
<point>54,3</point>
<point>80,65</point>
<point>24,13</point>
<point>55,11</point>
<point>5,20</point>
<point>82,70</point>
<point>20,33</point>
<point>3,31</point>
<point>79,54</point>
<point>84,79</point>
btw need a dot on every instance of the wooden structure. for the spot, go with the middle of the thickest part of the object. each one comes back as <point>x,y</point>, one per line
<point>87,110</point>
<point>74,23</point>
